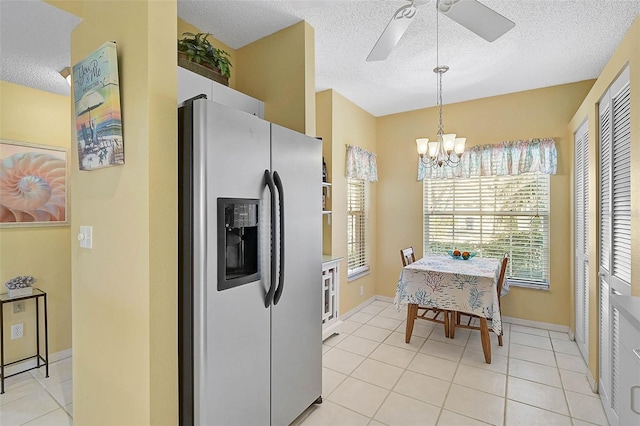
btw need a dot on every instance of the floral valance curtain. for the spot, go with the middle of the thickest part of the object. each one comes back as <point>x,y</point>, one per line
<point>361,164</point>
<point>505,158</point>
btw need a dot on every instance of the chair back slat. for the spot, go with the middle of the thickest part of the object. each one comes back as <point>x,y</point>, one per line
<point>503,271</point>
<point>408,256</point>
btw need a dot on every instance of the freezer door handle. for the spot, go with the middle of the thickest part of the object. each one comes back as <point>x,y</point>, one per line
<point>278,182</point>
<point>269,297</point>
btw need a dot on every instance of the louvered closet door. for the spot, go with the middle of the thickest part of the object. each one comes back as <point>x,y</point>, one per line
<point>614,245</point>
<point>581,232</point>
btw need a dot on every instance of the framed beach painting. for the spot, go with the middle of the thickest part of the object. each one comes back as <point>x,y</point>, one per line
<point>33,185</point>
<point>96,92</point>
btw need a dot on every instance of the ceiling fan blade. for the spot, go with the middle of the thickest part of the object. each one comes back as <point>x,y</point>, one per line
<point>393,32</point>
<point>485,22</point>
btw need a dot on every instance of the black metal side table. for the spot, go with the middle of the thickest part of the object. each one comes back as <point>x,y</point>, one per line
<point>4,299</point>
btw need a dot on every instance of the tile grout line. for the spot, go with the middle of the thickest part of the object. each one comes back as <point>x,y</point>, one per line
<point>459,362</point>
<point>506,384</point>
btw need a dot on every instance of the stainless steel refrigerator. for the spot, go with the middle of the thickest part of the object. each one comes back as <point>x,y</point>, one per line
<point>250,268</point>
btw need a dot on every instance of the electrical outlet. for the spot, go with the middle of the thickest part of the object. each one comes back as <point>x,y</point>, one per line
<point>18,307</point>
<point>361,290</point>
<point>17,331</point>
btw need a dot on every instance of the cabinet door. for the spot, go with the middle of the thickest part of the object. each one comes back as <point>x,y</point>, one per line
<point>581,232</point>
<point>629,387</point>
<point>238,100</point>
<point>191,84</point>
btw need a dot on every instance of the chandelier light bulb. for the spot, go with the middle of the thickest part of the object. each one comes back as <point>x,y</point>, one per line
<point>433,149</point>
<point>459,146</point>
<point>448,142</point>
<point>422,145</point>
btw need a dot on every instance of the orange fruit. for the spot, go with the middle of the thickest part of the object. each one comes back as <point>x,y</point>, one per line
<point>465,255</point>
<point>456,252</point>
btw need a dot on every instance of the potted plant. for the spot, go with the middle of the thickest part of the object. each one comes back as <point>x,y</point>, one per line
<point>197,54</point>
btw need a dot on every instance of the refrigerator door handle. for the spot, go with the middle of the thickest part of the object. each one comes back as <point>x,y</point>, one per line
<point>269,296</point>
<point>278,182</point>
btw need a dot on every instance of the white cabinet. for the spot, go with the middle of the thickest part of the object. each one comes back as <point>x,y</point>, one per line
<point>623,408</point>
<point>191,84</point>
<point>330,295</point>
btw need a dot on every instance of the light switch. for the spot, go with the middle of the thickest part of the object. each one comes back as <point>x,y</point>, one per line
<point>86,237</point>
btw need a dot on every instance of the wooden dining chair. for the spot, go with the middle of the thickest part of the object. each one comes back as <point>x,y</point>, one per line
<point>456,317</point>
<point>414,311</point>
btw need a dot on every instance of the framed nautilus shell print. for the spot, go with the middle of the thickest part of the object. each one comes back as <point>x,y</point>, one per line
<point>33,185</point>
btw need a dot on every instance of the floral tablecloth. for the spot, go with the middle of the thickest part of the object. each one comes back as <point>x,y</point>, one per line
<point>440,281</point>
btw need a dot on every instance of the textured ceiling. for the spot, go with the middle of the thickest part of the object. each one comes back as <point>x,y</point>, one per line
<point>35,44</point>
<point>553,42</point>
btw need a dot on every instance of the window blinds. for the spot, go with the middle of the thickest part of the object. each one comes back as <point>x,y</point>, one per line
<point>357,227</point>
<point>492,215</point>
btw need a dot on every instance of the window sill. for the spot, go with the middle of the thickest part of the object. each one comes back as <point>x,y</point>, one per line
<point>357,275</point>
<point>525,284</point>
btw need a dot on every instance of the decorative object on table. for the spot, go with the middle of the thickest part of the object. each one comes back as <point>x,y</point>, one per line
<point>197,54</point>
<point>464,255</point>
<point>20,286</point>
<point>33,185</point>
<point>96,89</point>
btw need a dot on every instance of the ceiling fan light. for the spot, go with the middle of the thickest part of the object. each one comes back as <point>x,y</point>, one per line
<point>422,144</point>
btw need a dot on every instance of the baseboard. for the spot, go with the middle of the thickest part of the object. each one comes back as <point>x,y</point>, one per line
<point>331,330</point>
<point>592,382</point>
<point>385,299</point>
<point>537,324</point>
<point>30,363</point>
<point>357,308</point>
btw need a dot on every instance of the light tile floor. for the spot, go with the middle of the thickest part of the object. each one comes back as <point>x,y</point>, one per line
<point>32,399</point>
<point>372,377</point>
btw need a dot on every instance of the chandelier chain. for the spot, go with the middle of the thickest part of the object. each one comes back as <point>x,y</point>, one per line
<point>440,127</point>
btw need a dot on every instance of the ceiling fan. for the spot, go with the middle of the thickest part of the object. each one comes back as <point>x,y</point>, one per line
<point>485,22</point>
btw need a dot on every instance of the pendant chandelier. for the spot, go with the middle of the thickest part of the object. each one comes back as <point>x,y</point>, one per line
<point>448,149</point>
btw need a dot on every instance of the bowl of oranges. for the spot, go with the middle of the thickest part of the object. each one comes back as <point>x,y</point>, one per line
<point>464,255</point>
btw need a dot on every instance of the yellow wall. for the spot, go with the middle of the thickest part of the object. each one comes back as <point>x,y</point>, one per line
<point>185,27</point>
<point>348,125</point>
<point>525,115</point>
<point>627,52</point>
<point>279,70</point>
<point>34,116</point>
<point>124,289</point>
<point>72,6</point>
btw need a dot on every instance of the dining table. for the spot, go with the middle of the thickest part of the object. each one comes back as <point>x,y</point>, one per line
<point>453,284</point>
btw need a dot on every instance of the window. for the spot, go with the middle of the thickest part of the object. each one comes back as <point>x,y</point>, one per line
<point>492,215</point>
<point>357,227</point>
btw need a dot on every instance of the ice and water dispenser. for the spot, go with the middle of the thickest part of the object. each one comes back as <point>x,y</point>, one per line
<point>237,242</point>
